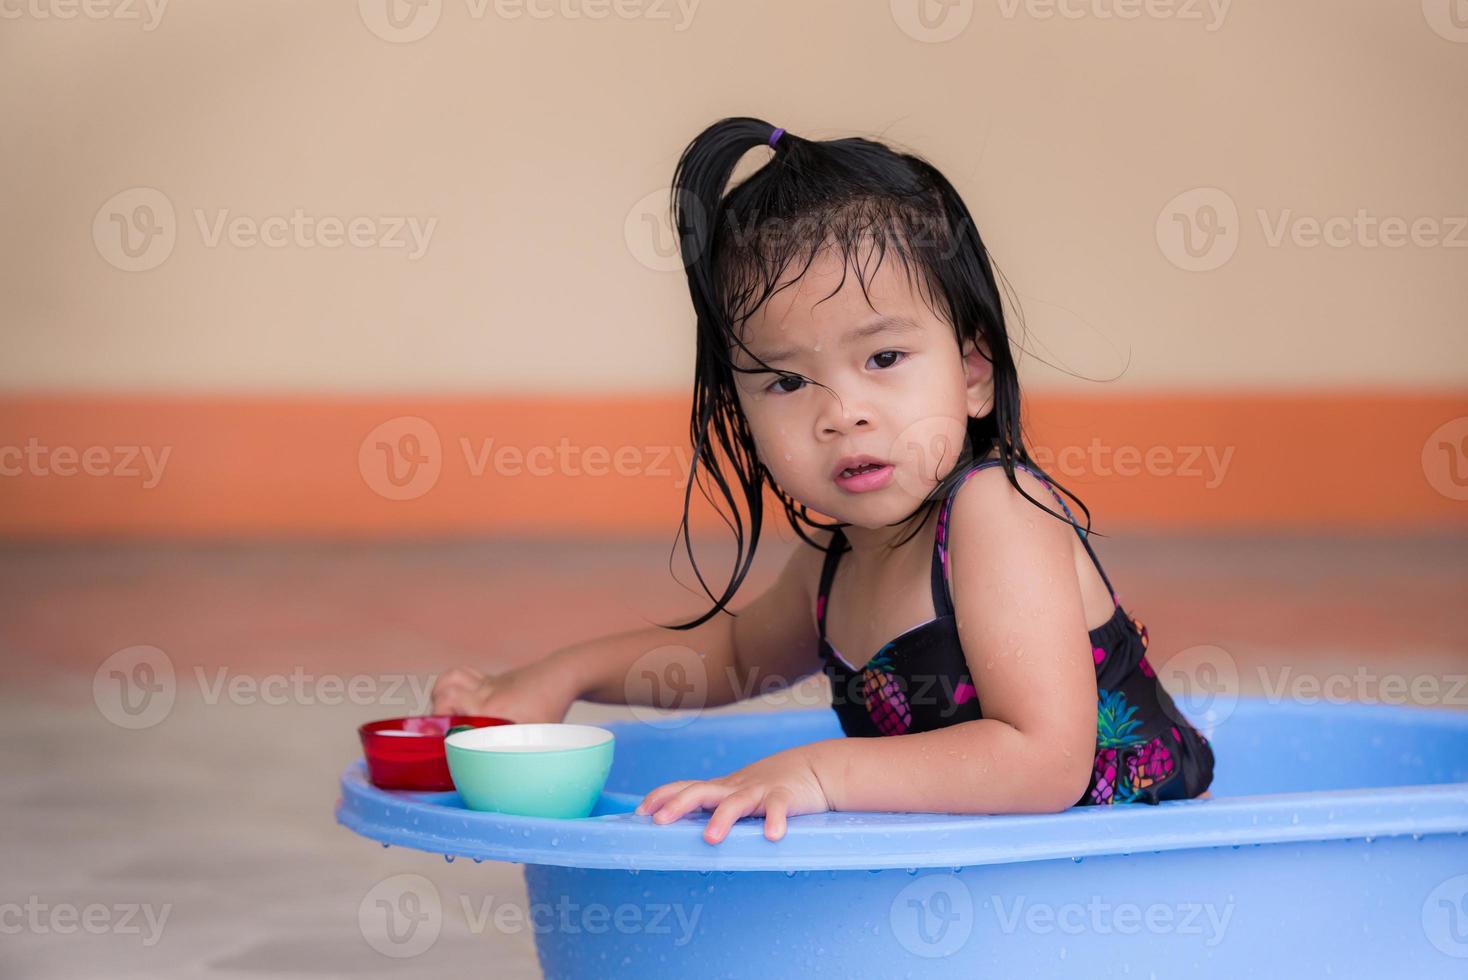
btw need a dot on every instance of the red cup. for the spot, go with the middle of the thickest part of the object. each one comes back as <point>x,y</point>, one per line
<point>408,753</point>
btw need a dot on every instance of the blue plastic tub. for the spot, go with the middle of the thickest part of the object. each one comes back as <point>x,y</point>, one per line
<point>1334,845</point>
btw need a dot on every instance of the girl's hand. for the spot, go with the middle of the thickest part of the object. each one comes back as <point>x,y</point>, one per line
<point>538,692</point>
<point>779,786</point>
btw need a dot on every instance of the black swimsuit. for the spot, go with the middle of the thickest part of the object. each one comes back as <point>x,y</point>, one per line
<point>1145,749</point>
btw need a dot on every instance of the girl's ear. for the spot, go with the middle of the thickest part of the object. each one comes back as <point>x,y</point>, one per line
<point>978,372</point>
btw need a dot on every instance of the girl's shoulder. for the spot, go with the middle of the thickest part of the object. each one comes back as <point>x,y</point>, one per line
<point>985,494</point>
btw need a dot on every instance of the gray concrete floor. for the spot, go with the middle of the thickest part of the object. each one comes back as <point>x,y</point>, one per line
<point>219,815</point>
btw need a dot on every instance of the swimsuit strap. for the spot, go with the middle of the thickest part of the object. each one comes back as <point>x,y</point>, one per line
<point>942,600</point>
<point>834,550</point>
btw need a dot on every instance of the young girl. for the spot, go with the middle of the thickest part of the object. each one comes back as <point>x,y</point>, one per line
<point>853,357</point>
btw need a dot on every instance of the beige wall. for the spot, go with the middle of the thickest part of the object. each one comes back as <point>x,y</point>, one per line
<point>535,143</point>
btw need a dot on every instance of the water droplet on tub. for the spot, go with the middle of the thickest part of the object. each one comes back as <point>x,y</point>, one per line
<point>385,845</point>
<point>912,871</point>
<point>790,874</point>
<point>449,858</point>
<point>479,860</point>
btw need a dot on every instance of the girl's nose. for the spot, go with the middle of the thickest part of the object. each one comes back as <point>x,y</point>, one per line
<point>841,417</point>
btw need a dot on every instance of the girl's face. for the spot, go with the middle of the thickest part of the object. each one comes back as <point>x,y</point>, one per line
<point>898,391</point>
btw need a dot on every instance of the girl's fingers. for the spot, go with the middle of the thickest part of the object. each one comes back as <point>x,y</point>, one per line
<point>777,811</point>
<point>456,699</point>
<point>455,690</point>
<point>655,798</point>
<point>699,794</point>
<point>735,805</point>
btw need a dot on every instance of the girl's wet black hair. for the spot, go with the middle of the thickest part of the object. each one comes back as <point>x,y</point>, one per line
<point>855,195</point>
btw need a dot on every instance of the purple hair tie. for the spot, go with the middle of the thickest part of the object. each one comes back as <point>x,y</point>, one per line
<point>775,136</point>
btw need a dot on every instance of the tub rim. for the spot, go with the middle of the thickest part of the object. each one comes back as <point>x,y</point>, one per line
<point>853,840</point>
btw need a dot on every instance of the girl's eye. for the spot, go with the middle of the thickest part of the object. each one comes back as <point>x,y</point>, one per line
<point>777,386</point>
<point>774,386</point>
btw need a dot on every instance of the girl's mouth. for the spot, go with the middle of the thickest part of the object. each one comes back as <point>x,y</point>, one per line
<point>864,478</point>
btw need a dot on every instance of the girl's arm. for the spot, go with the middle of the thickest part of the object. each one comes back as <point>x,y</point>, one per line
<point>769,644</point>
<point>1018,606</point>
<point>1017,599</point>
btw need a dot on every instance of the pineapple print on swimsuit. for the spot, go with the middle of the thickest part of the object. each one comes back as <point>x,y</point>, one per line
<point>1146,751</point>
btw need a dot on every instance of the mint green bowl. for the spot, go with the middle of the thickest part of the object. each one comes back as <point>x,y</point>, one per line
<point>533,770</point>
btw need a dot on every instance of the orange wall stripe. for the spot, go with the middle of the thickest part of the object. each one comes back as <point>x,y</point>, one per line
<point>184,466</point>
